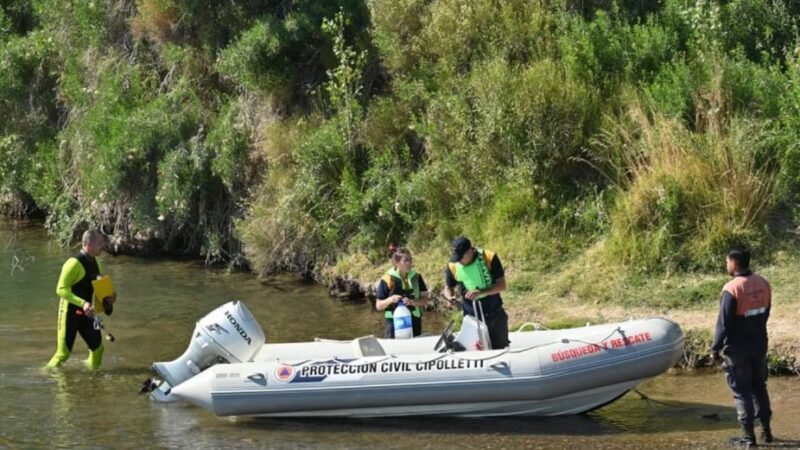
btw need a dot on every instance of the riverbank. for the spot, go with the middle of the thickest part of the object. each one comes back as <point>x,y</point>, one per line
<point>582,290</point>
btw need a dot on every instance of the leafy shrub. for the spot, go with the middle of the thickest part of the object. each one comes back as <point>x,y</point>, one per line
<point>313,127</point>
<point>755,90</point>
<point>395,29</point>
<point>672,89</point>
<point>789,173</point>
<point>16,18</point>
<point>611,48</point>
<point>233,161</point>
<point>28,117</point>
<point>258,59</point>
<point>760,29</point>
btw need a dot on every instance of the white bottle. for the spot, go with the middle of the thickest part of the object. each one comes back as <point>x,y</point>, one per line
<point>402,322</point>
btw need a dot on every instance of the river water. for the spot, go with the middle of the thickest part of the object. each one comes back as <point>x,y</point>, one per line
<point>159,301</point>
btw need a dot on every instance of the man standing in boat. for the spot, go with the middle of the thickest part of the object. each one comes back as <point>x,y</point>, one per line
<point>402,283</point>
<point>76,312</point>
<point>482,278</point>
<point>741,337</point>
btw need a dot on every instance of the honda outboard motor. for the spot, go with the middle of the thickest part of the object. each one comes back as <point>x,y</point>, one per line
<point>229,332</point>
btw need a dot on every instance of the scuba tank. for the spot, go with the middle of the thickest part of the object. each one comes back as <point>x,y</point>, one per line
<point>402,322</point>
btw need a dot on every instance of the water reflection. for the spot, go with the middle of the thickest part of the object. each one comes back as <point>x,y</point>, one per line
<point>632,417</point>
<point>63,411</point>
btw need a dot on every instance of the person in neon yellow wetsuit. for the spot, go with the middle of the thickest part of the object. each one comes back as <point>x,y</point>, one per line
<point>402,282</point>
<point>75,310</point>
<point>482,278</point>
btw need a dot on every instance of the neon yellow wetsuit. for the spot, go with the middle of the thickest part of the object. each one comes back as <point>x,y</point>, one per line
<point>75,288</point>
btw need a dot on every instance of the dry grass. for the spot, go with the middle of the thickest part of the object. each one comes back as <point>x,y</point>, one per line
<point>684,196</point>
<point>157,20</point>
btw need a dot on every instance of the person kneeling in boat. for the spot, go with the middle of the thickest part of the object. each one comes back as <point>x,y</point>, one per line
<point>402,282</point>
<point>481,276</point>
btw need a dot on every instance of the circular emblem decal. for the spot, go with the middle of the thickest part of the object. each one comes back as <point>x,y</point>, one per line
<point>284,374</point>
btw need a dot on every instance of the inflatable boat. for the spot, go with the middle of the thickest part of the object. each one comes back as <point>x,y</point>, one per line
<point>229,370</point>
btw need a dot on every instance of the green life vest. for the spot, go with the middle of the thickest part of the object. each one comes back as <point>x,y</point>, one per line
<point>409,287</point>
<point>475,275</point>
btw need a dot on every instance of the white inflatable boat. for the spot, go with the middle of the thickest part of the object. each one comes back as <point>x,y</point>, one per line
<point>228,369</point>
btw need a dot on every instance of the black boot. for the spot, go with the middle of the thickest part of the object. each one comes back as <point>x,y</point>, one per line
<point>748,438</point>
<point>766,433</point>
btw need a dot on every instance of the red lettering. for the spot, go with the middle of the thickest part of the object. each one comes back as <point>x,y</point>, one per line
<point>577,352</point>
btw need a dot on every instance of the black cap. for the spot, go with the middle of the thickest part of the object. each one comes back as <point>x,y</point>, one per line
<point>461,246</point>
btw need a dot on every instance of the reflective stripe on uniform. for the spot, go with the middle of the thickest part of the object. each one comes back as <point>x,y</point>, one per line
<point>755,311</point>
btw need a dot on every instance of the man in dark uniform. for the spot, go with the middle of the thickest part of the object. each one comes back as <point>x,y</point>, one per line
<point>482,278</point>
<point>76,311</point>
<point>741,337</point>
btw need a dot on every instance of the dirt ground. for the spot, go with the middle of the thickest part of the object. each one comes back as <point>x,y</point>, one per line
<point>783,322</point>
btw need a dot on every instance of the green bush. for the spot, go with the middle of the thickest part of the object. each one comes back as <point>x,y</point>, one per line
<point>28,116</point>
<point>395,28</point>
<point>16,18</point>
<point>233,160</point>
<point>789,172</point>
<point>310,128</point>
<point>258,60</point>
<point>754,90</point>
<point>672,89</point>
<point>760,29</point>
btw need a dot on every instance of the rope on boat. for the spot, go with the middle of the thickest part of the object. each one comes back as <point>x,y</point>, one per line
<point>568,340</point>
<point>486,358</point>
<point>371,361</point>
<point>536,326</point>
<point>650,401</point>
<point>456,355</point>
<point>335,358</point>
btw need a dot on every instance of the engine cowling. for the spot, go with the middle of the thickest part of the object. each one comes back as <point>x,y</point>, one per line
<point>229,333</point>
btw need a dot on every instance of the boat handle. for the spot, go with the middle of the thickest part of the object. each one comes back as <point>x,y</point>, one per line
<point>502,367</point>
<point>258,378</point>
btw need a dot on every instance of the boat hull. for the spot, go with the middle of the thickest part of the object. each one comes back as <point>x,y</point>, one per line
<point>542,373</point>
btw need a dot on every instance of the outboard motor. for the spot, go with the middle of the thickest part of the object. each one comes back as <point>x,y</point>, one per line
<point>229,332</point>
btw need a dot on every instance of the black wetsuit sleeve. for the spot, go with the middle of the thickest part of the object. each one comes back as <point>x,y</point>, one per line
<point>727,311</point>
<point>422,286</point>
<point>382,292</point>
<point>497,268</point>
<point>449,279</point>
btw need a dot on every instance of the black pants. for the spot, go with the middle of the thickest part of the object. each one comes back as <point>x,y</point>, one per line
<point>747,378</point>
<point>72,321</point>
